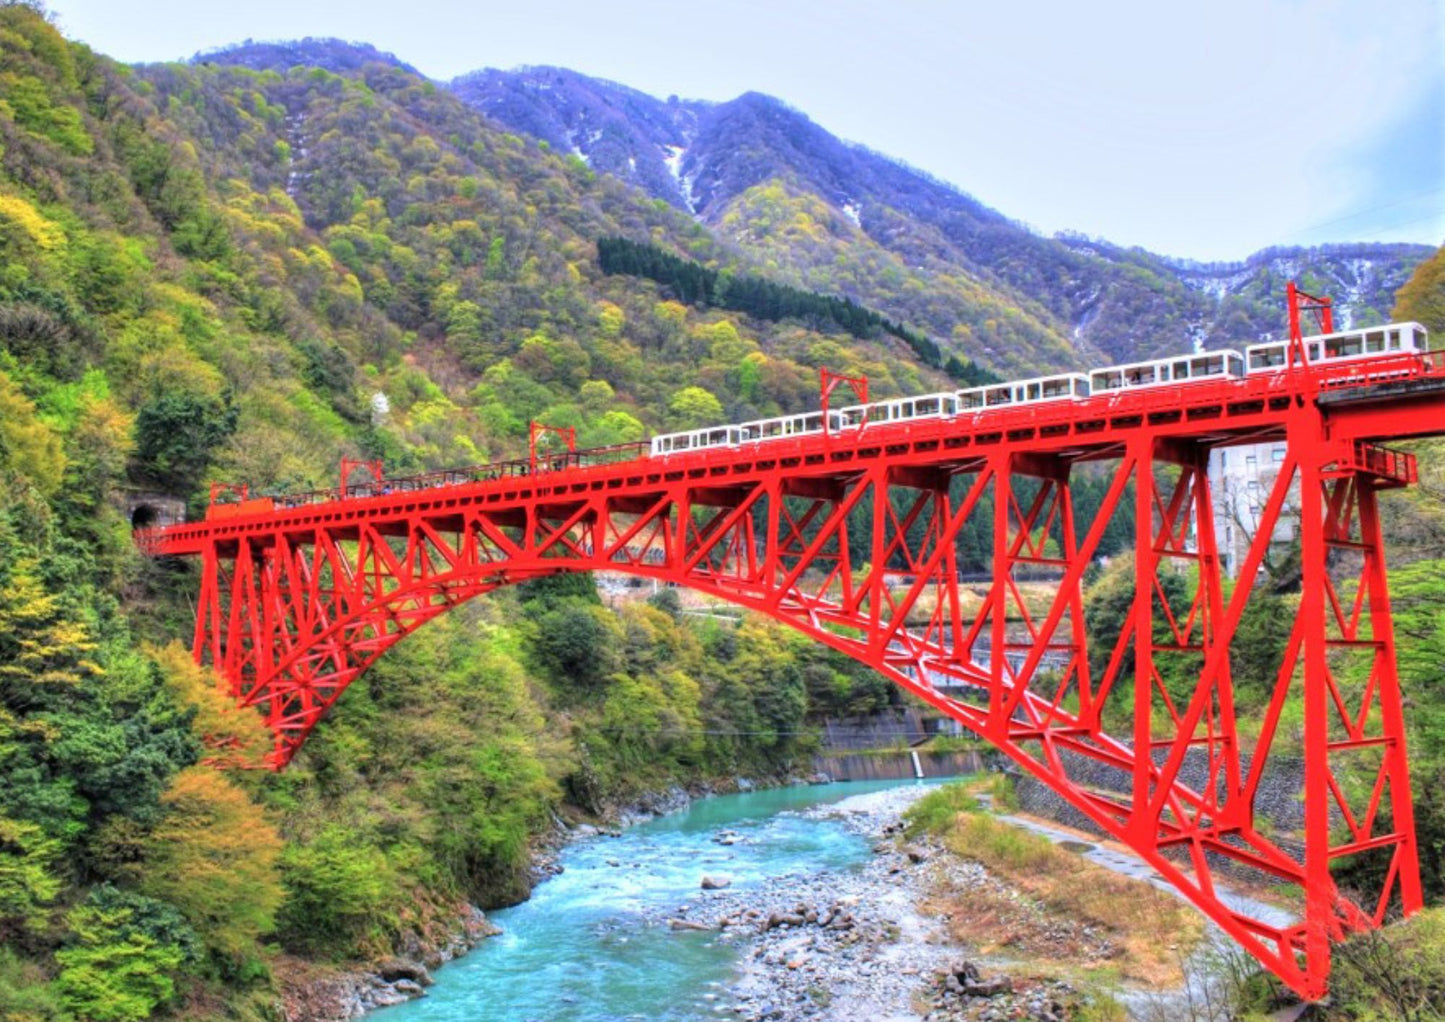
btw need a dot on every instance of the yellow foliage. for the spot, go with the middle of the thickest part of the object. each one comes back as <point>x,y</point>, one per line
<point>1422,299</point>
<point>28,447</point>
<point>213,856</point>
<point>100,443</point>
<point>39,645</point>
<point>671,313</point>
<point>45,234</point>
<point>611,320</point>
<point>219,721</point>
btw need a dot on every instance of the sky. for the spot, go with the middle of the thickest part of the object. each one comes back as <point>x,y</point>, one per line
<point>1198,130</point>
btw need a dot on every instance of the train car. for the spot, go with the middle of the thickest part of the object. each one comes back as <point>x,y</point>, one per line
<point>1060,387</point>
<point>1347,346</point>
<point>697,439</point>
<point>783,426</point>
<point>942,405</point>
<point>1224,364</point>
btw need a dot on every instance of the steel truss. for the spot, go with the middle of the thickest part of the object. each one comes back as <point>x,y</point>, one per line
<point>1142,737</point>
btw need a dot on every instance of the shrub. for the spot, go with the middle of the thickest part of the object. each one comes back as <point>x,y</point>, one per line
<point>936,812</point>
<point>337,892</point>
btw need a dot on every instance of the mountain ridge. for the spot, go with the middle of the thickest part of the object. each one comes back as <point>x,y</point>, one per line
<point>897,238</point>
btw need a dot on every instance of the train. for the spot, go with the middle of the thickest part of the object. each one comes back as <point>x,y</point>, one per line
<point>1222,364</point>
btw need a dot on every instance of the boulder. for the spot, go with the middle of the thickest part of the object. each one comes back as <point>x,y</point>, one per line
<point>988,987</point>
<point>716,883</point>
<point>393,969</point>
<point>687,924</point>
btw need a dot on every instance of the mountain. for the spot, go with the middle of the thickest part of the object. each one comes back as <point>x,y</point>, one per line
<point>619,131</point>
<point>752,165</point>
<point>214,272</point>
<point>334,55</point>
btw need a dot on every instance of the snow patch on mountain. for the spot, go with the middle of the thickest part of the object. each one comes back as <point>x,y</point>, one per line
<point>683,182</point>
<point>673,159</point>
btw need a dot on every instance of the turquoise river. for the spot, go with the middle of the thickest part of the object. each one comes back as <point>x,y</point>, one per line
<point>582,950</point>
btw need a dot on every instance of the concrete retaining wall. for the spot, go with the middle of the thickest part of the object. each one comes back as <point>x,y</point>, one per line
<point>1279,805</point>
<point>896,766</point>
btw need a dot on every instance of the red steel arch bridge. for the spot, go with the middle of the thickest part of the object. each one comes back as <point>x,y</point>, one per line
<point>299,596</point>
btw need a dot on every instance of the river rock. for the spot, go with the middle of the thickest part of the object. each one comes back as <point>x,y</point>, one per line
<point>393,969</point>
<point>989,987</point>
<point>716,883</point>
<point>782,919</point>
<point>687,924</point>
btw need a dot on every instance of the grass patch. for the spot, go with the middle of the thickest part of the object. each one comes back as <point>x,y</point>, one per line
<point>1151,931</point>
<point>1151,925</point>
<point>1099,1006</point>
<point>1005,796</point>
<point>935,812</point>
<point>1005,848</point>
<point>953,743</point>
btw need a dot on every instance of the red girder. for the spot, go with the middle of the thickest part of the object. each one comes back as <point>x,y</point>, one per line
<point>297,601</point>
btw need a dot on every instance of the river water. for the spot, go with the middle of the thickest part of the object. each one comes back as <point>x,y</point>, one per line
<point>582,950</point>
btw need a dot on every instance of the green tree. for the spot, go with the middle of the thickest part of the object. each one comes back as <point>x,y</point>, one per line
<point>693,407</point>
<point>177,435</point>
<point>338,894</point>
<point>28,448</point>
<point>27,877</point>
<point>123,958</point>
<point>576,645</point>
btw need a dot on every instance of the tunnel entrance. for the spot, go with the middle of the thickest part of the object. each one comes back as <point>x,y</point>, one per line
<point>147,510</point>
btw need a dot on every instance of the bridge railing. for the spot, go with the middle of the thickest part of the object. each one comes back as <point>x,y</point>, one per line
<point>1398,467</point>
<point>517,468</point>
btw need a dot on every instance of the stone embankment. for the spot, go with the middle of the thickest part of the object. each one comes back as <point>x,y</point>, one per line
<point>311,994</point>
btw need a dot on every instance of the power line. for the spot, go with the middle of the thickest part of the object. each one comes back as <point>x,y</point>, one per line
<point>1375,209</point>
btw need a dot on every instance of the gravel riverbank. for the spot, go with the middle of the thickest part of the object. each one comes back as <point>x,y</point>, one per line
<point>854,946</point>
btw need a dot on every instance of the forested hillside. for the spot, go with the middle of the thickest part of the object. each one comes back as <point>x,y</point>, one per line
<point>216,271</point>
<point>213,272</point>
<point>839,216</point>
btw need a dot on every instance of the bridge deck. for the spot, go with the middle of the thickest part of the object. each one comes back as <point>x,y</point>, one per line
<point>1403,398</point>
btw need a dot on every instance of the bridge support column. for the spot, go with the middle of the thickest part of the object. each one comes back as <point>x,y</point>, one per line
<point>1361,861</point>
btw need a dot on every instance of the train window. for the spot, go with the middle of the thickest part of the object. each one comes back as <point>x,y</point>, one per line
<point>1181,371</point>
<point>1268,357</point>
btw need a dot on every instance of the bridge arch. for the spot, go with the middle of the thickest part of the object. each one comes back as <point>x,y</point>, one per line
<point>298,600</point>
